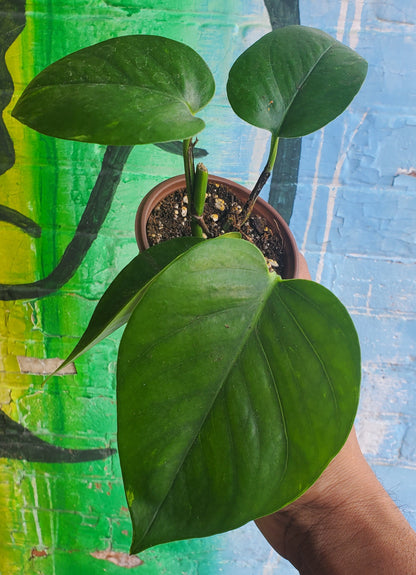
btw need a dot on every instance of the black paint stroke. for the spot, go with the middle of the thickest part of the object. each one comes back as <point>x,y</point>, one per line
<point>284,180</point>
<point>17,442</point>
<point>12,22</point>
<point>282,12</point>
<point>91,221</point>
<point>19,220</point>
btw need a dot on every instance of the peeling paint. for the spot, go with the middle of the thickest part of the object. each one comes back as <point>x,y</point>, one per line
<point>35,553</point>
<point>118,558</point>
<point>333,190</point>
<point>409,172</point>
<point>37,366</point>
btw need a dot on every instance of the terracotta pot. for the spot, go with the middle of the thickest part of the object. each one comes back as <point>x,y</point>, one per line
<point>261,208</point>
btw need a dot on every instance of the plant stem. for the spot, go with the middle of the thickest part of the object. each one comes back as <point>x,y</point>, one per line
<point>188,161</point>
<point>198,201</point>
<point>264,176</point>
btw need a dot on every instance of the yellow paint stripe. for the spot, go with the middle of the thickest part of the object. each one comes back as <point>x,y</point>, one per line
<point>17,249</point>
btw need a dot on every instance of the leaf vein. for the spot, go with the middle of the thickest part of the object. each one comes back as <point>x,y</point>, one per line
<point>279,401</point>
<point>223,381</point>
<point>311,345</point>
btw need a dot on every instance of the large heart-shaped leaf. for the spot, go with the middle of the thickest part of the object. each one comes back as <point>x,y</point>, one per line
<point>120,298</point>
<point>235,389</point>
<point>123,91</point>
<point>294,80</point>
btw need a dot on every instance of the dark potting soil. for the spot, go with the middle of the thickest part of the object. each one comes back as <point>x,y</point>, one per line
<point>220,204</point>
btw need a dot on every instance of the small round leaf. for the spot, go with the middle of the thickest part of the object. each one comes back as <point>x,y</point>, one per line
<point>294,81</point>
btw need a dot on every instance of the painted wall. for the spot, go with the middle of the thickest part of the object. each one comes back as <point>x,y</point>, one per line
<point>355,215</point>
<point>352,211</point>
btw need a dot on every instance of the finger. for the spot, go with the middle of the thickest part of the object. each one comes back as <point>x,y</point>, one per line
<point>303,269</point>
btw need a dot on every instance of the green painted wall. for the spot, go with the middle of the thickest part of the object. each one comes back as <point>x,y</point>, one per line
<point>61,494</point>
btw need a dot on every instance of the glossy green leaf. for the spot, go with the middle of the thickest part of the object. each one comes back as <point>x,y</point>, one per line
<point>235,389</point>
<point>294,81</point>
<point>123,91</point>
<point>120,298</point>
<point>176,148</point>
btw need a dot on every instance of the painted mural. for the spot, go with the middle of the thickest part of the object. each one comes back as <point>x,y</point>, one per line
<point>54,204</point>
<point>66,227</point>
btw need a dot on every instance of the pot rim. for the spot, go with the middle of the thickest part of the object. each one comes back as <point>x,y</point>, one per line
<point>261,208</point>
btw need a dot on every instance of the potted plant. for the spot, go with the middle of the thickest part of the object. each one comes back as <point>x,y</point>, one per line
<point>235,387</point>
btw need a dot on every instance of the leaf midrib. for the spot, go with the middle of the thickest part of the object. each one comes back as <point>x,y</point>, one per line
<point>250,328</point>
<point>311,345</point>
<point>98,84</point>
<point>302,83</point>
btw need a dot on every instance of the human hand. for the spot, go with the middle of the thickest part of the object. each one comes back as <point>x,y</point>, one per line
<point>345,524</point>
<point>303,269</point>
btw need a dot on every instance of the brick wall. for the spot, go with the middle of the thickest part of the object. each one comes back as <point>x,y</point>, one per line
<point>61,494</point>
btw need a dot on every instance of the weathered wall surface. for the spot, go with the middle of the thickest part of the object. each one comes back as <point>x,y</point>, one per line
<point>61,498</point>
<point>355,215</point>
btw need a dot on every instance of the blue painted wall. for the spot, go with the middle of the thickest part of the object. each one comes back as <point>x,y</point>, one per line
<point>355,219</point>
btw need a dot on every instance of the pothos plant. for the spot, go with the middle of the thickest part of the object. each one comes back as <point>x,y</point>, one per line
<point>235,388</point>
